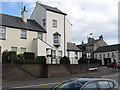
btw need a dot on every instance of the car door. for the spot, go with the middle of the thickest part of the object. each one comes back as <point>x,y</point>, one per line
<point>90,86</point>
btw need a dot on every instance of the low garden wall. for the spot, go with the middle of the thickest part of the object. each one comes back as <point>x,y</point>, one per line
<point>21,71</point>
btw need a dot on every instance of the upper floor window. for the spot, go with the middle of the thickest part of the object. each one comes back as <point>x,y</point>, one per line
<point>54,23</point>
<point>14,49</point>
<point>23,34</point>
<point>56,38</point>
<point>2,33</point>
<point>40,35</point>
<point>44,22</point>
<point>23,50</point>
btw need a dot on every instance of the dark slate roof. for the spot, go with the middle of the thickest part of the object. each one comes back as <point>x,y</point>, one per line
<point>72,47</point>
<point>108,48</point>
<point>16,22</point>
<point>53,9</point>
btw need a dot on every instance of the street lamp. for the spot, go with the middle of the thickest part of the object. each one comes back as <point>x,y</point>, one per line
<point>88,54</point>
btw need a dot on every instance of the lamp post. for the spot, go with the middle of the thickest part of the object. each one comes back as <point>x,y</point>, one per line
<point>88,54</point>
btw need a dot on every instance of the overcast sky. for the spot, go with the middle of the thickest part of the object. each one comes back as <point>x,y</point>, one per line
<point>97,16</point>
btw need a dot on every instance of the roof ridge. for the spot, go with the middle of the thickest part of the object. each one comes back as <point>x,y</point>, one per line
<point>14,16</point>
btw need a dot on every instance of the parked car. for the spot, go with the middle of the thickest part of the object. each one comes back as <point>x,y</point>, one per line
<point>88,84</point>
<point>114,65</point>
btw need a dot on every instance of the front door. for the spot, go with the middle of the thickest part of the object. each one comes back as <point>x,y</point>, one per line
<point>107,61</point>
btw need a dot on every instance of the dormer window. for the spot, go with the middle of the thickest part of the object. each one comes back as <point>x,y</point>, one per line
<point>56,39</point>
<point>54,23</point>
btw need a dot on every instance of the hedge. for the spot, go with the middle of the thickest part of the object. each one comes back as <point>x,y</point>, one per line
<point>64,60</point>
<point>8,56</point>
<point>29,55</point>
<point>83,61</point>
<point>38,60</point>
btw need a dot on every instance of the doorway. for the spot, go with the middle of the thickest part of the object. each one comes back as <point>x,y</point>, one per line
<point>107,61</point>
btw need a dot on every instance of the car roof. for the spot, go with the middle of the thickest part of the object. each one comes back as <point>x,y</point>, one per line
<point>90,79</point>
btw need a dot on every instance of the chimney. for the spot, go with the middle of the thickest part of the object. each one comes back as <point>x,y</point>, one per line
<point>82,42</point>
<point>101,37</point>
<point>24,14</point>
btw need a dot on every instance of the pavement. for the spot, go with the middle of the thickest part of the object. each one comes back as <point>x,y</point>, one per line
<point>101,72</point>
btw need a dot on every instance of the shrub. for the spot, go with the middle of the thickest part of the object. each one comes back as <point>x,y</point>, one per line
<point>23,61</point>
<point>40,60</point>
<point>8,56</point>
<point>64,60</point>
<point>20,56</point>
<point>82,61</point>
<point>29,55</point>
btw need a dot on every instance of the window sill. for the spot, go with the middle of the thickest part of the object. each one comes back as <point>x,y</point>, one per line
<point>2,39</point>
<point>23,38</point>
<point>57,45</point>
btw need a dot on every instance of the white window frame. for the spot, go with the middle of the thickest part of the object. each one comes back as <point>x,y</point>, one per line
<point>22,50</point>
<point>40,37</point>
<point>56,39</point>
<point>23,34</point>
<point>53,54</point>
<point>54,23</point>
<point>14,49</point>
<point>60,54</point>
<point>2,33</point>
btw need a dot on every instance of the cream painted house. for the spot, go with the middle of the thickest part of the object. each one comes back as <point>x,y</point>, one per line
<point>108,54</point>
<point>46,33</point>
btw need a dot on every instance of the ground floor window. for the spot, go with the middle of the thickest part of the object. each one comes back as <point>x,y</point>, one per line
<point>22,50</point>
<point>54,54</point>
<point>14,49</point>
<point>60,54</point>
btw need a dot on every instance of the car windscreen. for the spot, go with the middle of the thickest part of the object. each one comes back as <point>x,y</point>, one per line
<point>75,85</point>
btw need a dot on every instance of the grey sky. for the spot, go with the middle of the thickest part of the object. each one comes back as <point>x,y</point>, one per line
<point>97,16</point>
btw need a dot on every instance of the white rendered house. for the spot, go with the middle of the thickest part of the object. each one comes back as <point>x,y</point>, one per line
<point>46,33</point>
<point>108,54</point>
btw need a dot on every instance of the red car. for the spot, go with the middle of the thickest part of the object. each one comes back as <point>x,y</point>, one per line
<point>114,65</point>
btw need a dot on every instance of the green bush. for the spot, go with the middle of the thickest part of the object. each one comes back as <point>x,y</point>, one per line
<point>22,61</point>
<point>64,60</point>
<point>82,61</point>
<point>20,56</point>
<point>40,60</point>
<point>29,55</point>
<point>8,56</point>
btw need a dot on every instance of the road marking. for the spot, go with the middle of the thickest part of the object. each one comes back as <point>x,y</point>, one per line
<point>45,84</point>
<point>37,85</point>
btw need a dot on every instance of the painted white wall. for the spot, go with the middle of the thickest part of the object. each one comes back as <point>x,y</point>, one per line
<point>41,47</point>
<point>13,40</point>
<point>41,13</point>
<point>106,56</point>
<point>72,55</point>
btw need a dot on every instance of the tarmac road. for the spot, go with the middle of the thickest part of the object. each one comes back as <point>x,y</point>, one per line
<point>47,83</point>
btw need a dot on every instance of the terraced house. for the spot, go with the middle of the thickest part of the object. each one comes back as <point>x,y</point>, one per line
<point>46,33</point>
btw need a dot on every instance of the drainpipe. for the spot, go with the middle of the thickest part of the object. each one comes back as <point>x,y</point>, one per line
<point>64,38</point>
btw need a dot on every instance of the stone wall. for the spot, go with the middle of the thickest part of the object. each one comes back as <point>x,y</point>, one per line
<point>16,72</point>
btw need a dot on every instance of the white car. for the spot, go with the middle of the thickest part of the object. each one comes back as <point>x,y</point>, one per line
<point>88,84</point>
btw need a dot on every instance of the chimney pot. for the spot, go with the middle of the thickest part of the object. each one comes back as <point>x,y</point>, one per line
<point>24,14</point>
